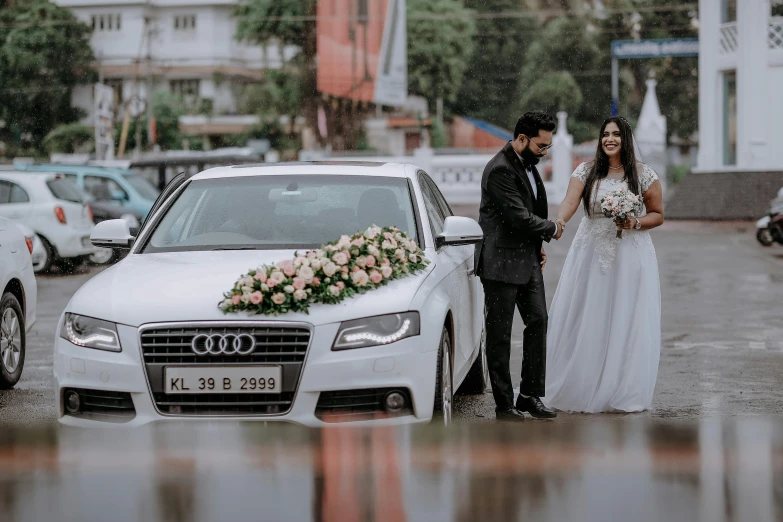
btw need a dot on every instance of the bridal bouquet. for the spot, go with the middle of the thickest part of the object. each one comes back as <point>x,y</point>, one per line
<point>621,204</point>
<point>353,264</point>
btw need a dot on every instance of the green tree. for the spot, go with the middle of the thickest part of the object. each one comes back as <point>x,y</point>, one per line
<point>438,49</point>
<point>67,138</point>
<point>284,23</point>
<point>566,60</point>
<point>490,85</point>
<point>44,53</point>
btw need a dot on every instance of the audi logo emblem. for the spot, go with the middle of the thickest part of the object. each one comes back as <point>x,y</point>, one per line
<point>223,344</point>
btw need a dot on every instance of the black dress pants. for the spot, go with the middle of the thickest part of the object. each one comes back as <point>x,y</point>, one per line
<point>500,299</point>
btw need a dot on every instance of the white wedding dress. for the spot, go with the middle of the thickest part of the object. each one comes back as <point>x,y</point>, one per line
<point>604,334</point>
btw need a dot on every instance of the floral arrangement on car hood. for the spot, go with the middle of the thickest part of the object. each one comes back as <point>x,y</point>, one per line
<point>337,270</point>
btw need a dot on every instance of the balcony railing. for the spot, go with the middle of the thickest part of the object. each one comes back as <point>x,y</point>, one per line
<point>729,38</point>
<point>775,35</point>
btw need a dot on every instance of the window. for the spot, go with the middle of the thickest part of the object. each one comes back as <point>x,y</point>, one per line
<point>5,192</point>
<point>18,194</point>
<point>107,22</point>
<point>728,11</point>
<point>185,23</point>
<point>435,213</point>
<point>777,7</point>
<point>185,88</point>
<point>281,212</point>
<point>104,189</point>
<point>730,118</point>
<point>65,190</point>
<point>146,189</point>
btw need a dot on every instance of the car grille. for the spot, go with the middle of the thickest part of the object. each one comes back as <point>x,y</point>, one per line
<point>283,345</point>
<point>353,405</point>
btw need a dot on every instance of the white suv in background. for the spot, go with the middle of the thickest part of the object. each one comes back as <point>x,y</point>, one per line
<point>17,301</point>
<point>55,209</point>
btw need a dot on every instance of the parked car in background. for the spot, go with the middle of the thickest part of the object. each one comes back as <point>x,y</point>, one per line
<point>17,300</point>
<point>55,210</point>
<point>127,188</point>
<point>103,210</point>
<point>37,252</point>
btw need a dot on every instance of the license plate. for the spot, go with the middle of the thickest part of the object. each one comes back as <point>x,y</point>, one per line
<point>223,379</point>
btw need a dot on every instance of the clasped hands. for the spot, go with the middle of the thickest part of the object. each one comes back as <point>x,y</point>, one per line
<point>560,227</point>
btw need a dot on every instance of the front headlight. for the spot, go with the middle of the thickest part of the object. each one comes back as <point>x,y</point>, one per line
<point>90,333</point>
<point>376,331</point>
<point>131,220</point>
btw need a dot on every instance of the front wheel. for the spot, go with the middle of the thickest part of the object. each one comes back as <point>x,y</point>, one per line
<point>764,237</point>
<point>12,341</point>
<point>477,380</point>
<point>444,389</point>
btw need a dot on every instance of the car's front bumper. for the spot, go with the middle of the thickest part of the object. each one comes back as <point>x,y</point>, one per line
<point>409,364</point>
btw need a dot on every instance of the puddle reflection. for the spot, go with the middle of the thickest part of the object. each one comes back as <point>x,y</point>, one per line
<point>627,469</point>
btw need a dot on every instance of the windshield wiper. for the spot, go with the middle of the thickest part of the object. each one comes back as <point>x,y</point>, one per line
<point>236,248</point>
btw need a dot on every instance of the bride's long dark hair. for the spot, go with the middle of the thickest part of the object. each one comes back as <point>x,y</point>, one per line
<point>599,168</point>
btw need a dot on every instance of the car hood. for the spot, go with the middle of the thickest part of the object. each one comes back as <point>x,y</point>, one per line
<point>187,286</point>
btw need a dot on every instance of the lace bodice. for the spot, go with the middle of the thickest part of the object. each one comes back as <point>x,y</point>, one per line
<point>647,177</point>
<point>603,228</point>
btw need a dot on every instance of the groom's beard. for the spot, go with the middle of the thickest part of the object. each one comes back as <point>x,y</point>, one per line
<point>529,157</point>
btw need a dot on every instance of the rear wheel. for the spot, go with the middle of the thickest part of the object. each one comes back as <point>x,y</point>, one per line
<point>103,256</point>
<point>444,389</point>
<point>46,259</point>
<point>12,341</point>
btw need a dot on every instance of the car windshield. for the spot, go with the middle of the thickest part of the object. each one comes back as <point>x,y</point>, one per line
<point>66,190</point>
<point>280,212</point>
<point>142,185</point>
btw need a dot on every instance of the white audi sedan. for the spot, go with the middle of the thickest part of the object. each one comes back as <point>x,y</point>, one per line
<point>145,340</point>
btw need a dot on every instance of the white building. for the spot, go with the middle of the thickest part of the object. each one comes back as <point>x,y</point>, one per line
<point>740,162</point>
<point>185,46</point>
<point>740,85</point>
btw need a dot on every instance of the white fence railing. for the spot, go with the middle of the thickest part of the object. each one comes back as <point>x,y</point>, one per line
<point>729,38</point>
<point>775,34</point>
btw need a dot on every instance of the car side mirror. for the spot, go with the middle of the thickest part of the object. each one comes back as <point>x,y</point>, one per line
<point>113,233</point>
<point>458,230</point>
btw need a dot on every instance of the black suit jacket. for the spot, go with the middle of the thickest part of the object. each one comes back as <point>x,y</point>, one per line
<point>514,221</point>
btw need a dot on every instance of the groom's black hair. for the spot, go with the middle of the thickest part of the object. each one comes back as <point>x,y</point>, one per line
<point>532,122</point>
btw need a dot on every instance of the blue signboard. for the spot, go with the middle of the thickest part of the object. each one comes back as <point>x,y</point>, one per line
<point>659,48</point>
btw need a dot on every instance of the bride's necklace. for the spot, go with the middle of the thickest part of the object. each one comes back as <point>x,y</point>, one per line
<point>616,168</point>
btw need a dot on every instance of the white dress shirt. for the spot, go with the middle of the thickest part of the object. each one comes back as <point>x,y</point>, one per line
<point>532,179</point>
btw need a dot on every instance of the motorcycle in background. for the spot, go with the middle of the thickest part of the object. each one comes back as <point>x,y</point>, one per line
<point>769,229</point>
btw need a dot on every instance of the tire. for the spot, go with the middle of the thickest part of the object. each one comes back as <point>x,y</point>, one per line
<point>12,341</point>
<point>477,380</point>
<point>764,237</point>
<point>46,263</point>
<point>103,256</point>
<point>444,383</point>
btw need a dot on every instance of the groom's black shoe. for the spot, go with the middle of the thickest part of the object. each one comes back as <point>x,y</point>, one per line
<point>535,407</point>
<point>511,415</point>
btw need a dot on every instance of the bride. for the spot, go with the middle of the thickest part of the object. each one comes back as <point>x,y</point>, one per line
<point>604,333</point>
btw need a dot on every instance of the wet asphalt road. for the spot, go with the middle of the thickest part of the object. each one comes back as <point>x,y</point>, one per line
<point>722,321</point>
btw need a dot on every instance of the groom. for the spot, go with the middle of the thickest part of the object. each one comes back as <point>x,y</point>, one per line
<point>510,263</point>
